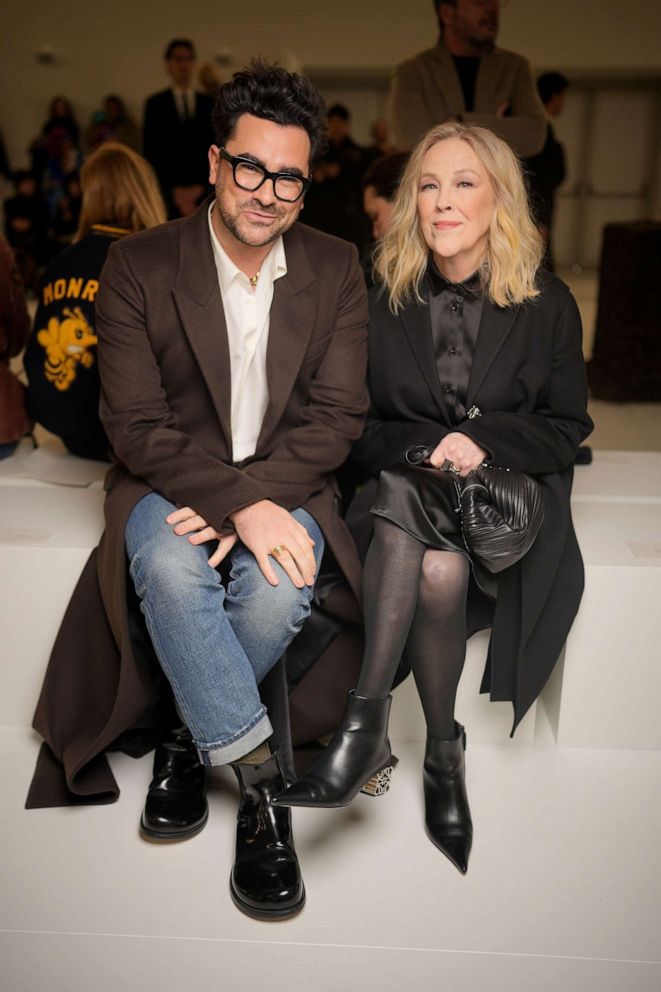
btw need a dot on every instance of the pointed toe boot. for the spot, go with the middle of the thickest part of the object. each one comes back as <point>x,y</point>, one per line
<point>176,806</point>
<point>447,813</point>
<point>266,879</point>
<point>358,759</point>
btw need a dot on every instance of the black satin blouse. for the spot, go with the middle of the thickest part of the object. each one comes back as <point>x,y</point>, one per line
<point>455,311</point>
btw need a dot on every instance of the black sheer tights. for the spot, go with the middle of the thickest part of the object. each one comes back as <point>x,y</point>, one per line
<point>415,599</point>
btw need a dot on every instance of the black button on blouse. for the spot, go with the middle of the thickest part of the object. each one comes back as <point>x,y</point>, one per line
<point>455,312</point>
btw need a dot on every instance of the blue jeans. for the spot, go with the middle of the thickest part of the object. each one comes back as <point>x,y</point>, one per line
<point>8,449</point>
<point>214,643</point>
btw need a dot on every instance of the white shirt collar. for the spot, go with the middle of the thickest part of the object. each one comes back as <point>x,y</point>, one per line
<point>273,267</point>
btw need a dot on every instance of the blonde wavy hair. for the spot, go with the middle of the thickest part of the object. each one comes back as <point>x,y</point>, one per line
<point>119,189</point>
<point>514,248</point>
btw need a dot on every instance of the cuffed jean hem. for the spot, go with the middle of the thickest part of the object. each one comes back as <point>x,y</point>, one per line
<point>222,754</point>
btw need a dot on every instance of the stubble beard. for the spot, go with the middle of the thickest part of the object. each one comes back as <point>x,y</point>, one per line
<point>252,239</point>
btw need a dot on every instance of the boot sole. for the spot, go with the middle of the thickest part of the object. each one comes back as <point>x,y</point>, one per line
<point>266,914</point>
<point>161,837</point>
<point>376,785</point>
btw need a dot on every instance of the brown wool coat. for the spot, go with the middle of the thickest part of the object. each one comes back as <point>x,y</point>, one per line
<point>426,91</point>
<point>165,375</point>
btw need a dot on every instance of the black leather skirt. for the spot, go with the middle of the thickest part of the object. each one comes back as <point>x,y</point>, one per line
<point>424,502</point>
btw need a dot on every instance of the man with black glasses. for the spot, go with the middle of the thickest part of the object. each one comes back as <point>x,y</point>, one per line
<point>232,355</point>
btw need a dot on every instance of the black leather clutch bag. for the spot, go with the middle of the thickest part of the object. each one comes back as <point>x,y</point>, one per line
<point>500,509</point>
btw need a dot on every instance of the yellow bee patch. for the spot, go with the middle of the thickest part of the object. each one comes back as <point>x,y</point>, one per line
<point>66,343</point>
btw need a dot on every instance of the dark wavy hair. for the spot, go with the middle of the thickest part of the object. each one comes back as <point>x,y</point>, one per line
<point>274,94</point>
<point>384,174</point>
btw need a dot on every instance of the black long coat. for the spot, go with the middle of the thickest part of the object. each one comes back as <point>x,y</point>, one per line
<point>528,383</point>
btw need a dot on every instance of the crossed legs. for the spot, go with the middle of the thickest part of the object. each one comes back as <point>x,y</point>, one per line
<point>214,643</point>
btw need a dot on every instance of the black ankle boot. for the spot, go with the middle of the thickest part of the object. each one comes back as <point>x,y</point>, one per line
<point>176,806</point>
<point>266,880</point>
<point>447,814</point>
<point>357,758</point>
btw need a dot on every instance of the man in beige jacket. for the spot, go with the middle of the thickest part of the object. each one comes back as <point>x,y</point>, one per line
<point>465,77</point>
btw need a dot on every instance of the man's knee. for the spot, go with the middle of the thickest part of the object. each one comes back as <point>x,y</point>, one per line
<point>162,563</point>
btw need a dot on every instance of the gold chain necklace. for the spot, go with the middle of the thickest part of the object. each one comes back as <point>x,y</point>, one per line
<point>253,279</point>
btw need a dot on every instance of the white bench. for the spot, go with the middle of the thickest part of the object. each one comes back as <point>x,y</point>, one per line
<point>619,476</point>
<point>46,535</point>
<point>607,691</point>
<point>605,694</point>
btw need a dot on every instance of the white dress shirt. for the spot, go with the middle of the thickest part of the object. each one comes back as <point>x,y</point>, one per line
<point>247,314</point>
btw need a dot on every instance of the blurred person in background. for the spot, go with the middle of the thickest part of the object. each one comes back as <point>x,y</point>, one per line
<point>67,213</point>
<point>546,171</point>
<point>381,144</point>
<point>26,227</point>
<point>120,197</point>
<point>112,123</point>
<point>14,329</point>
<point>333,202</point>
<point>56,152</point>
<point>466,77</point>
<point>177,132</point>
<point>380,184</point>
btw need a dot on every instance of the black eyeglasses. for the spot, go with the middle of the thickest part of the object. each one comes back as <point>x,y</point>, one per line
<point>250,176</point>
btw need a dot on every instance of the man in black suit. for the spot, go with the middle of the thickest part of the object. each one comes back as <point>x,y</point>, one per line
<point>177,132</point>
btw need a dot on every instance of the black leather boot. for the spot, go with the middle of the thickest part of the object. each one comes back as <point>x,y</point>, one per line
<point>447,814</point>
<point>358,758</point>
<point>266,880</point>
<point>176,806</point>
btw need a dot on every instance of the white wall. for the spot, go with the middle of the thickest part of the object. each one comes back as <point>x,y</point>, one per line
<point>116,45</point>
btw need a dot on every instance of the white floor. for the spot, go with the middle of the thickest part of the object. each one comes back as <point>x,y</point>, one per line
<point>562,891</point>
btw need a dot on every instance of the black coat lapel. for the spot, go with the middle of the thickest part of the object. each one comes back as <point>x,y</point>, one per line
<point>495,325</point>
<point>417,324</point>
<point>197,298</point>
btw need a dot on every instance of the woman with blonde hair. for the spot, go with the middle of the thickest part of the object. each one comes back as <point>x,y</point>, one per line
<point>120,197</point>
<point>475,357</point>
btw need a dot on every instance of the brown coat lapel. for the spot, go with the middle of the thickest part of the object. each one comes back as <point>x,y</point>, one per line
<point>197,298</point>
<point>199,304</point>
<point>291,322</point>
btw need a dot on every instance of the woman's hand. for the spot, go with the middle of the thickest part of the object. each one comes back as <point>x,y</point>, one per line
<point>186,521</point>
<point>463,452</point>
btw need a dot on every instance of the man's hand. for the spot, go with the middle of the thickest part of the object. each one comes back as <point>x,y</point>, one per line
<point>267,529</point>
<point>461,450</point>
<point>186,521</point>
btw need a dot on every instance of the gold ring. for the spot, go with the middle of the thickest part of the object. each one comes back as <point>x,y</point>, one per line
<point>277,549</point>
